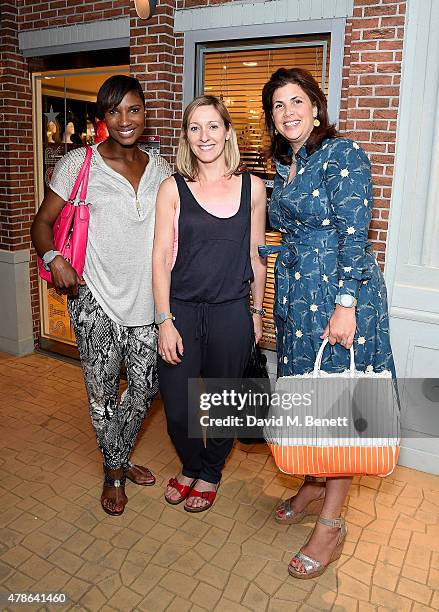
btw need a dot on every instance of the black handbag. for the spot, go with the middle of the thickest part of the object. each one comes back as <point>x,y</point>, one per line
<point>257,381</point>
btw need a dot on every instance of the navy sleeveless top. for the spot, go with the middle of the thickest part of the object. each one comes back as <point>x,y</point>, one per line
<point>213,259</point>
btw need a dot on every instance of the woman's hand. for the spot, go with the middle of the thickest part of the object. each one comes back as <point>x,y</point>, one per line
<point>341,327</point>
<point>170,343</point>
<point>64,276</point>
<point>257,326</point>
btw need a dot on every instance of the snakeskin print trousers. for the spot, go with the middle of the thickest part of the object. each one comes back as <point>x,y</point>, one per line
<point>104,346</point>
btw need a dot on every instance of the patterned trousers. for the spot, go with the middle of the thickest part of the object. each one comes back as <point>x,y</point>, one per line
<point>104,346</point>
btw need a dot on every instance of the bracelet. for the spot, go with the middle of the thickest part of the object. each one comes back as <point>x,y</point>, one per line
<point>164,316</point>
<point>259,311</point>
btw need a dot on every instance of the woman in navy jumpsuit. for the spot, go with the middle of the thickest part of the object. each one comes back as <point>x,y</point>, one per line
<point>210,221</point>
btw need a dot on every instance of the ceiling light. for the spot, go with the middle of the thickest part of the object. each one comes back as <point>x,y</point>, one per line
<point>250,63</point>
<point>145,8</point>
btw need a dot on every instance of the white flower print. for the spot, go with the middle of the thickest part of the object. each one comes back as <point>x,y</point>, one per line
<point>299,333</point>
<point>297,275</point>
<point>351,230</point>
<point>365,282</point>
<point>355,145</point>
<point>361,340</point>
<point>326,222</point>
<point>285,359</point>
<point>369,368</point>
<point>347,268</point>
<point>325,165</point>
<point>325,278</point>
<point>344,173</point>
<point>284,301</point>
<point>341,283</point>
<point>313,308</point>
<point>301,171</point>
<point>365,201</point>
<point>316,193</point>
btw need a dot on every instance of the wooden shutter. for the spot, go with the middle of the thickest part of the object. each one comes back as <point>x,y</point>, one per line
<point>237,74</point>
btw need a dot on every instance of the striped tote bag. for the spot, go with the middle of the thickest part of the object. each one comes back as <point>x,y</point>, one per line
<point>342,424</point>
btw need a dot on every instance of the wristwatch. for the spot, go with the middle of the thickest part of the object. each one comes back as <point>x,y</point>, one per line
<point>258,311</point>
<point>48,257</point>
<point>161,317</point>
<point>345,300</point>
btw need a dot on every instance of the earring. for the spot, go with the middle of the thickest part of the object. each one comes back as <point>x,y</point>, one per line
<point>275,132</point>
<point>316,122</point>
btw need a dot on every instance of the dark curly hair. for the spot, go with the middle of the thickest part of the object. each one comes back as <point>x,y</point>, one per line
<point>280,147</point>
<point>113,90</point>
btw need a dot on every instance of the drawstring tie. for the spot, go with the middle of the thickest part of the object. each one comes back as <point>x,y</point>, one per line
<point>202,329</point>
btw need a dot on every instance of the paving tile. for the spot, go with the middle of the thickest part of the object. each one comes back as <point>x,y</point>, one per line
<point>321,598</point>
<point>148,580</point>
<point>358,569</point>
<point>66,560</point>
<point>249,567</point>
<point>415,573</point>
<point>227,605</point>
<point>205,595</point>
<point>414,590</point>
<point>235,588</point>
<point>343,603</point>
<point>210,574</point>
<point>178,583</point>
<point>394,556</point>
<point>390,600</point>
<point>386,575</point>
<point>352,587</point>
<point>93,599</point>
<point>255,598</point>
<point>179,605</point>
<point>16,555</point>
<point>366,551</point>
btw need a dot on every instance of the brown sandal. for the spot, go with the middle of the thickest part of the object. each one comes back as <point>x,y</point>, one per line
<point>118,483</point>
<point>150,476</point>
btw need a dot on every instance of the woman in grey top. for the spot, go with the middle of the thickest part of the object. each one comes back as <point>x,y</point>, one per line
<point>111,306</point>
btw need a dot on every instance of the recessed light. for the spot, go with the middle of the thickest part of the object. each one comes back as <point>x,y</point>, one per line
<point>250,63</point>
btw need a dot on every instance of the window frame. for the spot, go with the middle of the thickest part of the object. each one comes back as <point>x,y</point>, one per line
<point>335,27</point>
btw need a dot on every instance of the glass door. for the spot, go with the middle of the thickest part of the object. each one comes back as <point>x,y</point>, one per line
<point>64,119</point>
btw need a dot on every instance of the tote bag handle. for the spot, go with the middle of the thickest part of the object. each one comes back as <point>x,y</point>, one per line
<point>318,361</point>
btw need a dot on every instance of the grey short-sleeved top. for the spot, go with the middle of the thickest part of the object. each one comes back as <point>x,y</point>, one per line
<point>118,266</point>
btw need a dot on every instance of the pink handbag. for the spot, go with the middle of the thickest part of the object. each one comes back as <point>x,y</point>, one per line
<point>70,230</point>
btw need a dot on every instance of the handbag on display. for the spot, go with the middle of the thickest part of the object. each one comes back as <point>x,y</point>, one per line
<point>335,424</point>
<point>256,380</point>
<point>70,230</point>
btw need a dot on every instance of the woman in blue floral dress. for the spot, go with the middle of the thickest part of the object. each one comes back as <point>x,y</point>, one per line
<point>328,283</point>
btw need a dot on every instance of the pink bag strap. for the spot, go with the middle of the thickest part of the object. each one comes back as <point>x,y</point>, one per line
<point>82,178</point>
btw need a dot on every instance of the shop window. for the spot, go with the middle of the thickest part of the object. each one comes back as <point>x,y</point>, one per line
<point>236,73</point>
<point>64,118</point>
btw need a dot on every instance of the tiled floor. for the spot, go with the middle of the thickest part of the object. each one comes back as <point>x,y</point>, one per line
<point>55,537</point>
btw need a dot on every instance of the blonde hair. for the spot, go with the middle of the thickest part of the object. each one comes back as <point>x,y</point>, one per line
<point>187,162</point>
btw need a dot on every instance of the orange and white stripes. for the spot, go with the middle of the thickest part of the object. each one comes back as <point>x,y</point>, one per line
<point>335,460</point>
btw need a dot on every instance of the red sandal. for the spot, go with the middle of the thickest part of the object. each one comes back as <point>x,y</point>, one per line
<point>181,488</point>
<point>209,496</point>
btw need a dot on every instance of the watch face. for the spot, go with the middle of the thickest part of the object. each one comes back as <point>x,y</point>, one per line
<point>346,300</point>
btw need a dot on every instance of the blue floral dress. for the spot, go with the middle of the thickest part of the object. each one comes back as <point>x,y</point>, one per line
<point>324,215</point>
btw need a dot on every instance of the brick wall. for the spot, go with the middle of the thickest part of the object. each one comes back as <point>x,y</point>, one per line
<point>54,13</point>
<point>17,204</point>
<point>370,97</point>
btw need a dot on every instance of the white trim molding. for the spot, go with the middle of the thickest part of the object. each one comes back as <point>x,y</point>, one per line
<point>259,12</point>
<point>107,34</point>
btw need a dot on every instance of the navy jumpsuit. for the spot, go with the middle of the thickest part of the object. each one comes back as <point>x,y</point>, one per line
<point>210,287</point>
